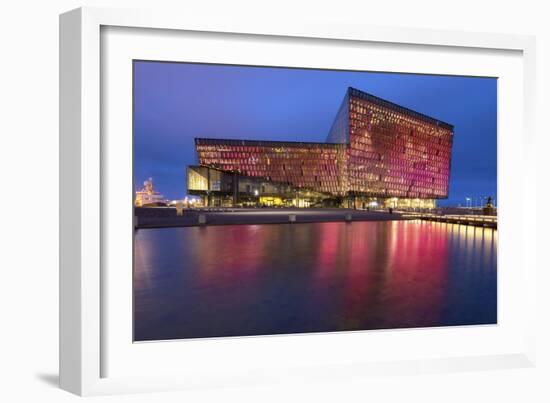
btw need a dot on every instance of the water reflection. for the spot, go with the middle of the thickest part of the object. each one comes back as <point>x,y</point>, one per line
<point>273,279</point>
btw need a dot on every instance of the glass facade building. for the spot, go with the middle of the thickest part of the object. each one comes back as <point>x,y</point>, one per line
<point>376,153</point>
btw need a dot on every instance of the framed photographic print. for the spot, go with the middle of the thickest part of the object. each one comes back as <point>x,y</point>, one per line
<point>259,202</point>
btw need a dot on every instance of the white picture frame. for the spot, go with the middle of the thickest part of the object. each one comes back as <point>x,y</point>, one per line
<point>83,188</point>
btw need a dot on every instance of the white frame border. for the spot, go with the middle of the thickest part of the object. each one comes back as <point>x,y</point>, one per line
<point>80,165</point>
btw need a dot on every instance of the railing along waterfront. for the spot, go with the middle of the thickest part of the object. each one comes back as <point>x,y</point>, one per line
<point>477,220</point>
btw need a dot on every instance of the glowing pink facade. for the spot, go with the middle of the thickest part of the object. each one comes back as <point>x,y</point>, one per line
<point>396,152</point>
<point>315,166</point>
<point>375,149</point>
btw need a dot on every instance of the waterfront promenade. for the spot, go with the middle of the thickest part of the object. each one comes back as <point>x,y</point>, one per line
<point>476,220</point>
<point>160,217</point>
<point>166,217</point>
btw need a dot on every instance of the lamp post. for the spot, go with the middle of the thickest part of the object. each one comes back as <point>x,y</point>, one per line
<point>468,200</point>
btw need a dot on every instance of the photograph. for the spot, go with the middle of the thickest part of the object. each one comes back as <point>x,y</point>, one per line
<point>273,200</point>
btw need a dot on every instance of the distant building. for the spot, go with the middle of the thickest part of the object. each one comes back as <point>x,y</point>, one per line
<point>377,153</point>
<point>147,196</point>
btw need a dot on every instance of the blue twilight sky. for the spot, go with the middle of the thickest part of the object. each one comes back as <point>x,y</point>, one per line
<point>176,102</point>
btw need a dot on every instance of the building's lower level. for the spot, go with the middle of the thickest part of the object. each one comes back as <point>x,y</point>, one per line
<point>217,188</point>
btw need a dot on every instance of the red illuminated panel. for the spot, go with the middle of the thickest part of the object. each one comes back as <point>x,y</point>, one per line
<point>393,153</point>
<point>315,166</point>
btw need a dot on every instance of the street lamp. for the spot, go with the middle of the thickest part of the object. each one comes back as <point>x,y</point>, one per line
<point>468,200</point>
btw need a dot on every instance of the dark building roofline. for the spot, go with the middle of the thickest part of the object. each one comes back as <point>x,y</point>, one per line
<point>354,92</point>
<point>264,143</point>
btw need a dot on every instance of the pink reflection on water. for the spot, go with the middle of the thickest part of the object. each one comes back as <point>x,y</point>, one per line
<point>358,284</point>
<point>329,236</point>
<point>220,250</point>
<point>390,272</point>
<point>419,272</point>
<point>272,279</point>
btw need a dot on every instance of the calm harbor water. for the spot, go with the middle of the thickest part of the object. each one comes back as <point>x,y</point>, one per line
<point>293,278</point>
